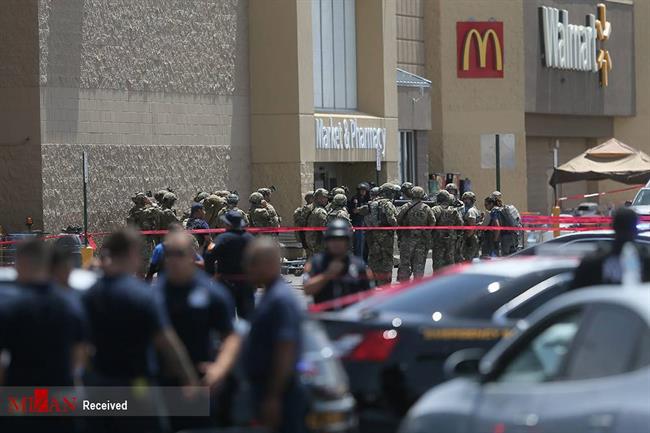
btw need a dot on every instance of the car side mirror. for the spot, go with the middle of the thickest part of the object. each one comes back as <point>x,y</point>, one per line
<point>463,363</point>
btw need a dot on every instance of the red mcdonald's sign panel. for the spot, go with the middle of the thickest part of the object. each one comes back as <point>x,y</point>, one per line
<point>480,49</point>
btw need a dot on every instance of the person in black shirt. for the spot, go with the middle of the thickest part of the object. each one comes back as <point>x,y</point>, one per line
<point>336,272</point>
<point>228,253</point>
<point>606,265</point>
<point>197,221</point>
<point>360,199</point>
<point>127,320</point>
<point>273,346</point>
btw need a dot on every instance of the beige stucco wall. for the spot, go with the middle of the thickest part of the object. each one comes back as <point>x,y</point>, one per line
<point>153,103</point>
<point>463,109</point>
<point>20,150</point>
<point>411,55</point>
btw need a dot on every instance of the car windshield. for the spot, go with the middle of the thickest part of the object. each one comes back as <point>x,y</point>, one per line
<point>458,295</point>
<point>643,198</point>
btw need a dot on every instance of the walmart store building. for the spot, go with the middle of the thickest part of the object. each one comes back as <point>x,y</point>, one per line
<point>306,93</point>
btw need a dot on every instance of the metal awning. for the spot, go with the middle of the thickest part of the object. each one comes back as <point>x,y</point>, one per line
<point>407,79</point>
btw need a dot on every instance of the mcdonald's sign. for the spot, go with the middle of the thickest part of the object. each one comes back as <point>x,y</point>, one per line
<point>480,49</point>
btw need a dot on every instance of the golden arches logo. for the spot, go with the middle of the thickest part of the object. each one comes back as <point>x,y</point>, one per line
<point>482,45</point>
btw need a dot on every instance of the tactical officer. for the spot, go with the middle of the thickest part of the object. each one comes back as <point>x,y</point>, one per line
<point>414,244</point>
<point>168,214</point>
<point>405,190</point>
<point>359,200</point>
<point>261,213</point>
<point>266,194</point>
<point>126,318</point>
<point>200,196</point>
<point>444,244</point>
<point>382,213</point>
<point>231,205</point>
<point>274,343</point>
<point>452,189</point>
<point>338,209</point>
<point>140,202</point>
<point>336,272</point>
<point>317,218</point>
<point>300,218</point>
<point>471,217</point>
<point>228,253</point>
<point>213,205</point>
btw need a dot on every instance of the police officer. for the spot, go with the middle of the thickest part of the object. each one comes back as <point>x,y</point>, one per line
<point>300,218</point>
<point>140,202</point>
<point>382,213</point>
<point>261,212</point>
<point>274,343</point>
<point>338,209</point>
<point>168,214</point>
<point>336,272</point>
<point>197,221</point>
<point>228,253</point>
<point>444,243</point>
<point>608,264</point>
<point>471,217</point>
<point>317,218</point>
<point>405,190</point>
<point>356,202</point>
<point>414,244</point>
<point>43,330</point>
<point>199,309</point>
<point>213,205</point>
<point>266,195</point>
<point>231,205</point>
<point>126,318</point>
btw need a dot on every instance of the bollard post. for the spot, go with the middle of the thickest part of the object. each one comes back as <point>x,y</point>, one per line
<point>556,221</point>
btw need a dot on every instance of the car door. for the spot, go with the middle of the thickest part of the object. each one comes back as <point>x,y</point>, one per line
<point>600,374</point>
<point>509,398</point>
<point>570,375</point>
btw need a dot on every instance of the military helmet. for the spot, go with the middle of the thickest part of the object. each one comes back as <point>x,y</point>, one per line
<point>309,195</point>
<point>223,193</point>
<point>266,192</point>
<point>339,228</point>
<point>139,198</point>
<point>469,195</point>
<point>160,195</point>
<point>340,200</point>
<point>443,197</point>
<point>202,195</point>
<point>232,199</point>
<point>496,195</point>
<point>374,191</point>
<point>320,192</point>
<point>256,198</point>
<point>407,186</point>
<point>418,192</point>
<point>364,185</point>
<point>338,190</point>
<point>451,187</point>
<point>169,198</point>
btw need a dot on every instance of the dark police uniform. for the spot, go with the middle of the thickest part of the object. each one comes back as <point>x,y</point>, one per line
<point>195,311</point>
<point>277,318</point>
<point>124,316</point>
<point>39,326</point>
<point>352,280</point>
<point>228,253</point>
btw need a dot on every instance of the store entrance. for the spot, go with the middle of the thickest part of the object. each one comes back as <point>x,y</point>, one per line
<point>332,174</point>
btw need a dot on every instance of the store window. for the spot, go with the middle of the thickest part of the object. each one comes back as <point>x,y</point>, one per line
<point>335,54</point>
<point>408,156</point>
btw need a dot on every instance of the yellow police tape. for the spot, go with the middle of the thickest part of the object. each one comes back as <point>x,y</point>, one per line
<point>465,333</point>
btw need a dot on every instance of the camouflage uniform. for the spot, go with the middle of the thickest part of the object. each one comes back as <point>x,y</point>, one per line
<point>471,217</point>
<point>444,243</point>
<point>168,214</point>
<point>140,202</point>
<point>300,218</point>
<point>382,213</point>
<point>260,215</point>
<point>338,209</point>
<point>231,205</point>
<point>414,244</point>
<point>316,218</point>
<point>213,205</point>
